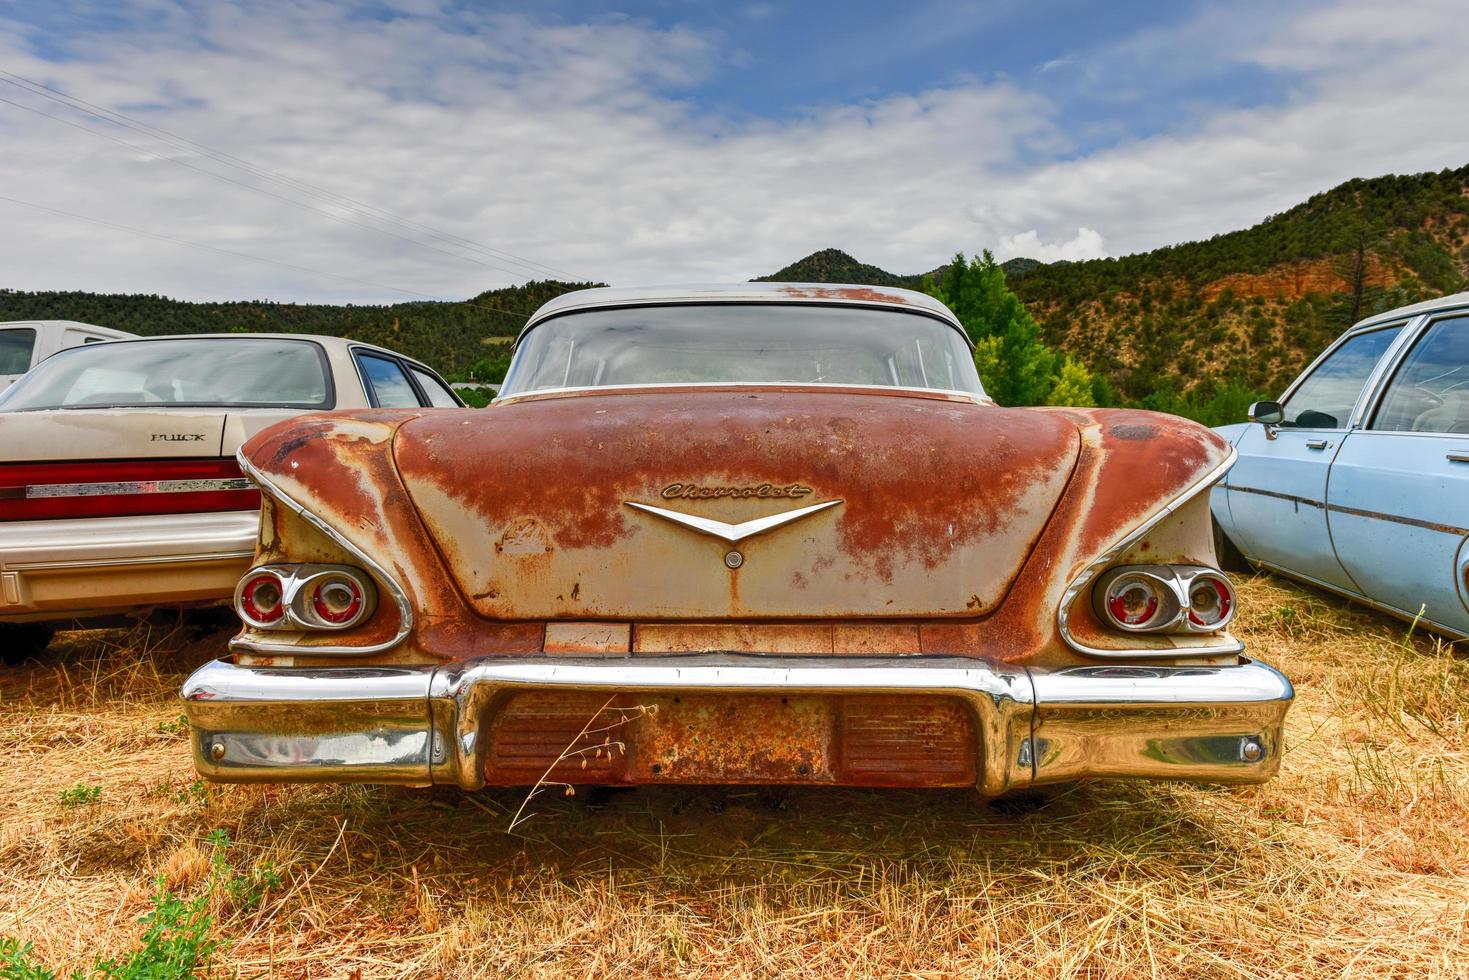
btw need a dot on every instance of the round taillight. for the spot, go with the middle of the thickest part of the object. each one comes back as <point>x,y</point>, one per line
<point>1133,600</point>
<point>337,599</point>
<point>1210,602</point>
<point>262,599</point>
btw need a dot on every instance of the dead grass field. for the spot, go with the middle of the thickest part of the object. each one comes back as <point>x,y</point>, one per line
<point>1354,862</point>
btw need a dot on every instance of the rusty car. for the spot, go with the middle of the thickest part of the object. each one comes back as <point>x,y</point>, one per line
<point>119,489</point>
<point>760,533</point>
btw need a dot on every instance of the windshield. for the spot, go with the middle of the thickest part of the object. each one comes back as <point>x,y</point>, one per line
<point>752,343</point>
<point>197,371</point>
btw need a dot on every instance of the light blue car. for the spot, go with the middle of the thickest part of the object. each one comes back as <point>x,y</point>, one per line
<point>1357,480</point>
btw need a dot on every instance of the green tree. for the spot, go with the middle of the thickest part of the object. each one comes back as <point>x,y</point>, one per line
<point>1073,386</point>
<point>1018,371</point>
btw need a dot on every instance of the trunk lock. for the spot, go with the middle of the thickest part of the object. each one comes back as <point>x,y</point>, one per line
<point>734,559</point>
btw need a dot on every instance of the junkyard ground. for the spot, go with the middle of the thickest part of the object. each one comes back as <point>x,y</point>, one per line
<point>1354,862</point>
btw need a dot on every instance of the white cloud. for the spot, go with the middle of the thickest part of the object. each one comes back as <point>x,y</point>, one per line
<point>569,143</point>
<point>1085,244</point>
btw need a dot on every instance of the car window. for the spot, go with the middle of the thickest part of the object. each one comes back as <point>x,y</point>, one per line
<point>1430,392</point>
<point>386,382</point>
<point>439,396</point>
<point>742,343</point>
<point>15,350</point>
<point>215,371</point>
<point>1325,399</point>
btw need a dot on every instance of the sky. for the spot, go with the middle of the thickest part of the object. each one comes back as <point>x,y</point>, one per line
<point>334,151</point>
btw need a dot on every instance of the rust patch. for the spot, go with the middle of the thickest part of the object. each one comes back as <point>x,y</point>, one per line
<point>933,490</point>
<point>588,637</point>
<point>861,294</point>
<point>641,738</point>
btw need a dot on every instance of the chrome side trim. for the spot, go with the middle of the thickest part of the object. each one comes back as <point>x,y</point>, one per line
<point>1379,606</point>
<point>380,574</point>
<point>427,725</point>
<point>1118,548</point>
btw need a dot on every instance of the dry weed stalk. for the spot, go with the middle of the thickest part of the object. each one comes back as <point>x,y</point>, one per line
<point>575,750</point>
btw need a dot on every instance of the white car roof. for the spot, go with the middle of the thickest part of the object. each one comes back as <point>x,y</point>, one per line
<point>1451,301</point>
<point>109,331</point>
<point>816,293</point>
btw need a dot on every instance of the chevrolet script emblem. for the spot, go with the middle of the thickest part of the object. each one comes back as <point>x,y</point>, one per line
<point>733,533</point>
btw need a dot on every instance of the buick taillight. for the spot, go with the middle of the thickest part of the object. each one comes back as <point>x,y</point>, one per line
<point>305,597</point>
<point>123,488</point>
<point>1165,599</point>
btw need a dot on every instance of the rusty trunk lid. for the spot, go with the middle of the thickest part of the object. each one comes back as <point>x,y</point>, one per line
<point>599,505</point>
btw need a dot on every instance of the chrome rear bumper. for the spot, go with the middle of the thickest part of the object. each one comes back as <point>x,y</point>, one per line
<point>59,569</point>
<point>422,726</point>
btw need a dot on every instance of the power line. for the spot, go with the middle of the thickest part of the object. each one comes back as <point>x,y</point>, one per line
<point>253,258</point>
<point>361,208</point>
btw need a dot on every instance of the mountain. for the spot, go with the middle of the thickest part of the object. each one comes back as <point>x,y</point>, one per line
<point>1250,307</point>
<point>834,265</point>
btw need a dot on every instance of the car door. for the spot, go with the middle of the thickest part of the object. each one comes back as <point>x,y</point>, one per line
<point>1398,499</point>
<point>1277,489</point>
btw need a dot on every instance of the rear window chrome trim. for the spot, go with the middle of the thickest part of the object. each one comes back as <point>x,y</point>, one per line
<point>967,396</point>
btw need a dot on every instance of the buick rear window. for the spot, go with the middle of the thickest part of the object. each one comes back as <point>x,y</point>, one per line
<point>217,371</point>
<point>732,343</point>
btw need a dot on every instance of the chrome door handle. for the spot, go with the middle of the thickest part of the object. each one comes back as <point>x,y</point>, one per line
<point>1317,443</point>
<point>1459,457</point>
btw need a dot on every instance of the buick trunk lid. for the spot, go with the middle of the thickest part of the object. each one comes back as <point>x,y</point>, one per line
<point>652,504</point>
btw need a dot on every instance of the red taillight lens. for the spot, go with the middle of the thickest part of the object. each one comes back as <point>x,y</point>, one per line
<point>1133,601</point>
<point>107,488</point>
<point>1164,599</point>
<point>337,600</point>
<point>305,597</point>
<point>1210,602</point>
<point>261,599</point>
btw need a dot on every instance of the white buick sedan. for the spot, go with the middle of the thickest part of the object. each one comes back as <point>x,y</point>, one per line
<point>119,489</point>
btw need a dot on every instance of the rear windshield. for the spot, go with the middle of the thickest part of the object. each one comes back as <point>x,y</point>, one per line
<point>730,343</point>
<point>213,371</point>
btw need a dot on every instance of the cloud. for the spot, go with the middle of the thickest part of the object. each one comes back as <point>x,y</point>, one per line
<point>578,145</point>
<point>1085,244</point>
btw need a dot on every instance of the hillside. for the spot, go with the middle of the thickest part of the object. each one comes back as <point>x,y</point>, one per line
<point>1251,306</point>
<point>449,336</point>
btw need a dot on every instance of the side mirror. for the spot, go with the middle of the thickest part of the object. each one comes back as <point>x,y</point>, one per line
<point>1268,414</point>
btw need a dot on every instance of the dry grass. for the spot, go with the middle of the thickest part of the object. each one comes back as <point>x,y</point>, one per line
<point>1355,862</point>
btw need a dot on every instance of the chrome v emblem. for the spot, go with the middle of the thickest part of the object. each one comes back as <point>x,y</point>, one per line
<point>733,533</point>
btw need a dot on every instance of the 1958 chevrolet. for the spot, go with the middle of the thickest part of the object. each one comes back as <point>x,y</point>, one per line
<point>759,533</point>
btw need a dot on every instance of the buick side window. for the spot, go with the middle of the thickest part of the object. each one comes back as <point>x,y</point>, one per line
<point>438,396</point>
<point>1430,392</point>
<point>386,381</point>
<point>1325,399</point>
